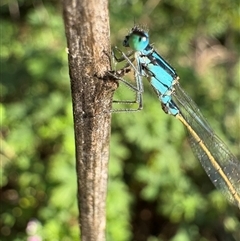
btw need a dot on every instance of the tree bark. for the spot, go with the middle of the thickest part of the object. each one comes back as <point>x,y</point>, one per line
<point>87,32</point>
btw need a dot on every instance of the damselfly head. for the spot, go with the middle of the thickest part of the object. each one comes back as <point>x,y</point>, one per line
<point>137,39</point>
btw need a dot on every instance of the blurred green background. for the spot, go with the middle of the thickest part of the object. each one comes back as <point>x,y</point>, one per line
<point>157,189</point>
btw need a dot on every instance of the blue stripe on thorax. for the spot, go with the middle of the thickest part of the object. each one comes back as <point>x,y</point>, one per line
<point>160,75</point>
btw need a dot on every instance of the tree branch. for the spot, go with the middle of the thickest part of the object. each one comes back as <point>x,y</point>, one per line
<point>87,32</point>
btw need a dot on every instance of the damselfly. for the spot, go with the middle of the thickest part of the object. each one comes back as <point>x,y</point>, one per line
<point>222,167</point>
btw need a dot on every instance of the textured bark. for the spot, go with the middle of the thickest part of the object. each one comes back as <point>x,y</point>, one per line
<point>87,32</point>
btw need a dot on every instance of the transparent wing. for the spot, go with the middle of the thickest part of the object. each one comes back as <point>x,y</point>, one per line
<point>220,164</point>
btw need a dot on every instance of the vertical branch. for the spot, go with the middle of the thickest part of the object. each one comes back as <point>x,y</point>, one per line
<point>87,32</point>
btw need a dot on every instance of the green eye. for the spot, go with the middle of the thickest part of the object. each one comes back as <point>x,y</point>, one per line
<point>137,42</point>
<point>137,39</point>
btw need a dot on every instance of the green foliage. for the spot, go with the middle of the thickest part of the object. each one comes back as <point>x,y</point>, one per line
<point>200,39</point>
<point>38,150</point>
<point>157,188</point>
